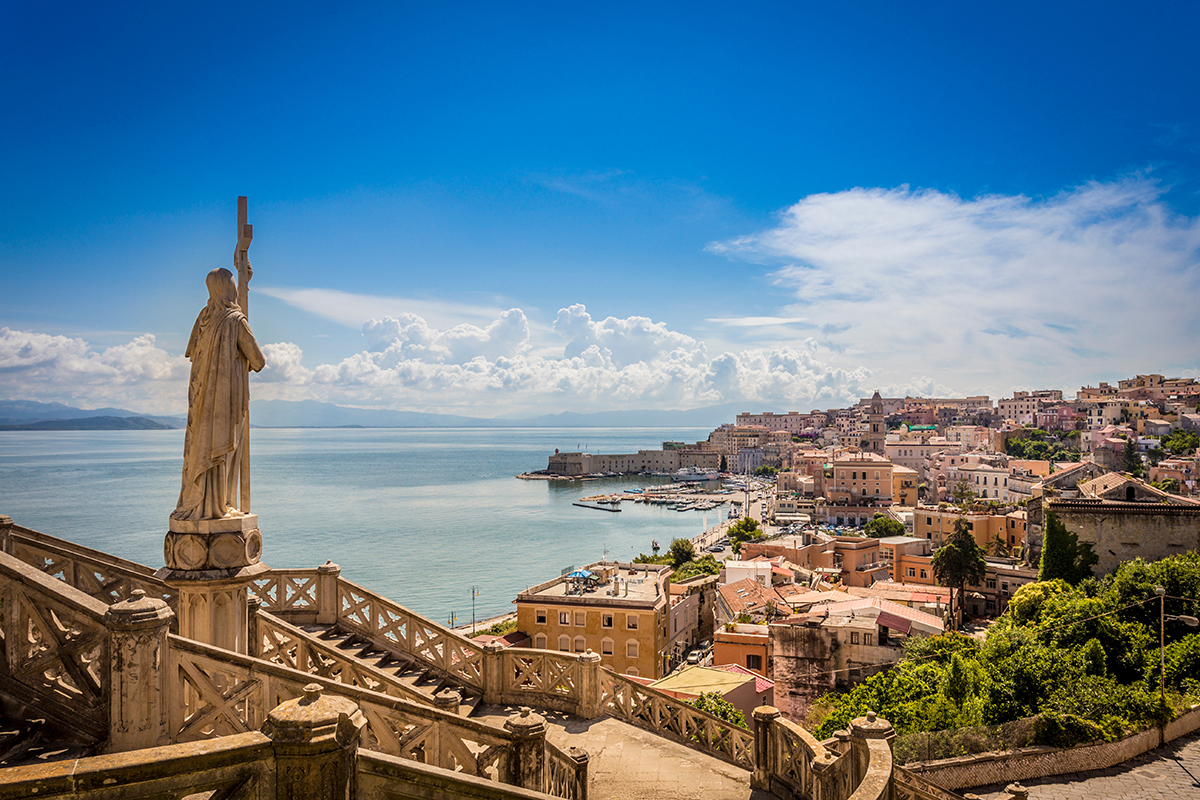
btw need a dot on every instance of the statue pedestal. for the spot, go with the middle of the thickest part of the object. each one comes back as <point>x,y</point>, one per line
<point>211,563</point>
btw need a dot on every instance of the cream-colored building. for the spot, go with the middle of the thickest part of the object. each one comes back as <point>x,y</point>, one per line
<point>860,478</point>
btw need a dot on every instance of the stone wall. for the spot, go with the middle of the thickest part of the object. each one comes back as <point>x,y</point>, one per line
<point>1027,763</point>
<point>1124,531</point>
<point>800,660</point>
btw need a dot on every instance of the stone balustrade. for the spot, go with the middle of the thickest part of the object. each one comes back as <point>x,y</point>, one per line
<point>119,675</point>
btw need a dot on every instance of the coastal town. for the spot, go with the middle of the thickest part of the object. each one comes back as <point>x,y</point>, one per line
<point>826,563</point>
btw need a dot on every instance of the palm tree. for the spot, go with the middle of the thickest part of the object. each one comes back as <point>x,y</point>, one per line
<point>957,562</point>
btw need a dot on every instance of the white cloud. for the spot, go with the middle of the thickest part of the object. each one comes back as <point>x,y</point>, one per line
<point>137,375</point>
<point>349,309</point>
<point>997,290</point>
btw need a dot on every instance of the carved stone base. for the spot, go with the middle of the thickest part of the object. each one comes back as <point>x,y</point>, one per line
<point>213,544</point>
<point>213,605</point>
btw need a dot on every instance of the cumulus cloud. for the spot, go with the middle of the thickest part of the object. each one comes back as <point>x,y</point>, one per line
<point>410,336</point>
<point>45,367</point>
<point>1100,279</point>
<point>623,341</point>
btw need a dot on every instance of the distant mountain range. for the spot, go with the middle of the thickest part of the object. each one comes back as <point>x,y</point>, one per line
<point>32,415</point>
<point>18,415</point>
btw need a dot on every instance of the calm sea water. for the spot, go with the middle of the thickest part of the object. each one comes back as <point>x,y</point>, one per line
<point>419,515</point>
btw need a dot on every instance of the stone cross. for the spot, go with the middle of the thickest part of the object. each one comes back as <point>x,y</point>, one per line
<point>241,258</point>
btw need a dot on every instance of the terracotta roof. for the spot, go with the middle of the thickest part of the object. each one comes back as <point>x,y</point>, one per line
<point>747,596</point>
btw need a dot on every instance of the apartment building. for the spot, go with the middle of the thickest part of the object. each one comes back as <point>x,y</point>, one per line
<point>622,613</point>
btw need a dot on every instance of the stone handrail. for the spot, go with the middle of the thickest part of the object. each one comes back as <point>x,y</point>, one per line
<point>541,678</point>
<point>566,772</point>
<point>240,766</point>
<point>391,626</point>
<point>919,788</point>
<point>57,648</point>
<point>285,644</point>
<point>99,575</point>
<point>289,594</point>
<point>655,711</point>
<point>381,775</point>
<point>876,781</point>
<point>216,692</point>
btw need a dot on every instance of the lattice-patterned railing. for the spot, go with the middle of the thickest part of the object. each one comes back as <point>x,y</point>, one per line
<point>217,693</point>
<point>795,751</point>
<point>664,715</point>
<point>566,773</point>
<point>911,786</point>
<point>107,578</point>
<point>286,592</point>
<point>390,626</point>
<point>542,678</point>
<point>286,644</point>
<point>56,647</point>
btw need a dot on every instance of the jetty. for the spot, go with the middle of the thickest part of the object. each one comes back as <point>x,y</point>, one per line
<point>598,508</point>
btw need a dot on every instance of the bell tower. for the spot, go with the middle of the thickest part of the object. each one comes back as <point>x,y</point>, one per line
<point>876,431</point>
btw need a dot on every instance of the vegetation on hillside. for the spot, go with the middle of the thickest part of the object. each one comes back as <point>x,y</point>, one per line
<point>1039,445</point>
<point>1083,659</point>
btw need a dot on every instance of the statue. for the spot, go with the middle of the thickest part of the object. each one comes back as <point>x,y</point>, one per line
<point>223,350</point>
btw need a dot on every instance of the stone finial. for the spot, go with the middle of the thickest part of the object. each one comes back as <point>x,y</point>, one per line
<point>871,727</point>
<point>525,724</point>
<point>447,700</point>
<point>1017,792</point>
<point>765,714</point>
<point>329,566</point>
<point>315,719</point>
<point>589,657</point>
<point>137,612</point>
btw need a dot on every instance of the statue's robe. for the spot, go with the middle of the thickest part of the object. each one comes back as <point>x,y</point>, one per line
<point>222,350</point>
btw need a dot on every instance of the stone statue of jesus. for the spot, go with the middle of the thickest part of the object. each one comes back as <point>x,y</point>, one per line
<point>223,351</point>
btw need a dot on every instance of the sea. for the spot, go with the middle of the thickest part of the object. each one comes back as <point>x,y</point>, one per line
<point>433,518</point>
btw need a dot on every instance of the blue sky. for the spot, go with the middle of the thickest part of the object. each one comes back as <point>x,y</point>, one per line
<point>535,208</point>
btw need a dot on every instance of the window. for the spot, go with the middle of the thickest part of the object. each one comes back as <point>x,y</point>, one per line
<point>753,661</point>
<point>564,643</point>
<point>606,647</point>
<point>580,619</point>
<point>853,637</point>
<point>632,671</point>
<point>912,572</point>
<point>631,649</point>
<point>631,622</point>
<point>539,641</point>
<point>867,638</point>
<point>606,620</point>
<point>991,583</point>
<point>541,616</point>
<point>580,644</point>
<point>924,574</point>
<point>564,618</point>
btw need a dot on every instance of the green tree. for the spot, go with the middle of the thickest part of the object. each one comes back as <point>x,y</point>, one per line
<point>1155,455</point>
<point>713,703</point>
<point>962,494</point>
<point>744,530</point>
<point>959,561</point>
<point>1062,554</point>
<point>682,551</point>
<point>1131,461</point>
<point>1094,658</point>
<point>958,681</point>
<point>1167,485</point>
<point>705,565</point>
<point>882,525</point>
<point>1181,442</point>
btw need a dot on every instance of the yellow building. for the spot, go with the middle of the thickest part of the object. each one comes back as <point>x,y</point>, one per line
<point>904,486</point>
<point>621,614</point>
<point>861,479</point>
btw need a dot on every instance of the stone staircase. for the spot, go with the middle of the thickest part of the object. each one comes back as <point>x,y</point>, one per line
<point>32,741</point>
<point>436,690</point>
